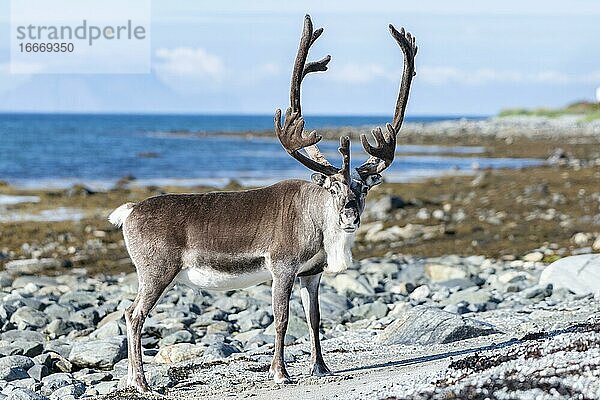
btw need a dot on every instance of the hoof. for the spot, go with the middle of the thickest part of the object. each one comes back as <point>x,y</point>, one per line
<point>141,387</point>
<point>320,369</point>
<point>280,376</point>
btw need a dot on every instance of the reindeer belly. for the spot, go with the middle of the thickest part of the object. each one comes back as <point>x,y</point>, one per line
<point>222,272</point>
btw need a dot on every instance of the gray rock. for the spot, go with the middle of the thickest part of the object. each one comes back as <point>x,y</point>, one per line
<point>218,351</point>
<point>382,207</point>
<point>179,352</point>
<point>537,292</point>
<point>31,266</point>
<point>106,387</point>
<point>159,377</point>
<point>57,328</point>
<point>95,378</point>
<point>580,274</point>
<point>424,325</point>
<point>421,293</point>
<point>461,284</point>
<point>25,394</point>
<point>375,310</point>
<point>79,299</point>
<point>472,295</point>
<point>102,354</point>
<point>296,328</point>
<point>441,272</point>
<point>56,381</point>
<point>346,284</point>
<point>181,336</point>
<point>87,317</point>
<point>332,305</point>
<point>76,390</point>
<point>60,347</point>
<point>16,361</point>
<point>27,317</point>
<point>37,372</point>
<point>60,363</point>
<point>109,329</point>
<point>25,348</point>
<point>10,374</point>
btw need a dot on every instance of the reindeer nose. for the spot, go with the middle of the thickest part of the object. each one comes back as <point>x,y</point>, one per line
<point>351,204</point>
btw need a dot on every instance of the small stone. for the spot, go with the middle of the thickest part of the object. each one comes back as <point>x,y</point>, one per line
<point>28,318</point>
<point>179,352</point>
<point>375,310</point>
<point>25,394</point>
<point>345,284</point>
<point>420,293</point>
<point>29,349</point>
<point>31,266</point>
<point>106,387</point>
<point>580,239</point>
<point>441,272</point>
<point>29,336</point>
<point>296,328</point>
<point>56,381</point>
<point>102,354</point>
<point>75,390</point>
<point>535,256</point>
<point>472,295</point>
<point>10,374</point>
<point>181,336</point>
<point>108,330</point>
<point>57,328</point>
<point>37,372</point>
<point>95,378</point>
<point>17,362</point>
<point>218,351</point>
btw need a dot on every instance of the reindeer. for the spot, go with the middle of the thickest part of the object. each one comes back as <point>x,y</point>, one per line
<point>294,228</point>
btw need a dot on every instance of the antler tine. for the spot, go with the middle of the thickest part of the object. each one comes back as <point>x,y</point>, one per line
<point>344,150</point>
<point>291,135</point>
<point>382,154</point>
<point>408,44</point>
<point>301,69</point>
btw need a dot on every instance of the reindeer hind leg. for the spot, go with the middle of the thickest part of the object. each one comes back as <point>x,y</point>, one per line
<point>151,288</point>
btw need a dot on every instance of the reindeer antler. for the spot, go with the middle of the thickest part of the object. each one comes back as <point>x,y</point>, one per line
<point>382,154</point>
<point>291,135</point>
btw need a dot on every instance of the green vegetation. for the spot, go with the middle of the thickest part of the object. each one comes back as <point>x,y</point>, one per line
<point>589,111</point>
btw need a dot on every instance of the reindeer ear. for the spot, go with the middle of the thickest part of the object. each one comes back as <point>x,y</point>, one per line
<point>320,179</point>
<point>373,180</point>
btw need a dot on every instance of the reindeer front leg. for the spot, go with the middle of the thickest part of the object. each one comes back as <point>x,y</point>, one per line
<point>309,291</point>
<point>281,289</point>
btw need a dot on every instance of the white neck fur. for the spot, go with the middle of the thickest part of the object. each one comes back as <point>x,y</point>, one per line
<point>336,242</point>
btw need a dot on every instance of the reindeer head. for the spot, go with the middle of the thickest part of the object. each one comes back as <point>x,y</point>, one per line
<point>348,188</point>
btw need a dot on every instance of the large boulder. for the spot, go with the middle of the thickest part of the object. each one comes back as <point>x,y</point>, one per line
<point>423,325</point>
<point>579,274</point>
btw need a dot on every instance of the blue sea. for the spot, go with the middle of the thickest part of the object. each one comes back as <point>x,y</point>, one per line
<point>58,150</point>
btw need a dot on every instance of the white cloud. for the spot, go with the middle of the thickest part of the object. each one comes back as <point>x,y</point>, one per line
<point>444,75</point>
<point>188,70</point>
<point>188,62</point>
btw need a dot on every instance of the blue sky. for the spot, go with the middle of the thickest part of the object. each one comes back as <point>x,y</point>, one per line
<point>475,58</point>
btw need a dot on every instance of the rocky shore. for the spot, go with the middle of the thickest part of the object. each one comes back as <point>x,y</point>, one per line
<point>64,336</point>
